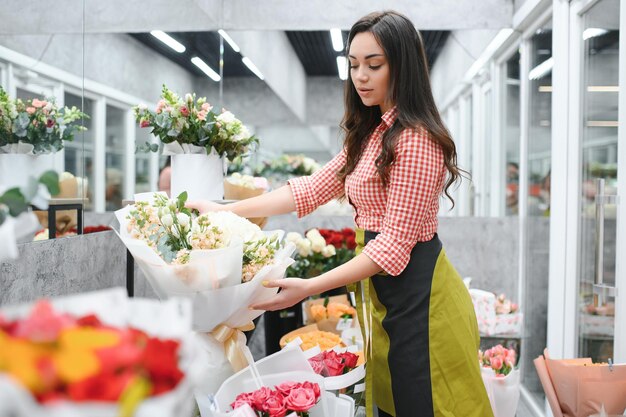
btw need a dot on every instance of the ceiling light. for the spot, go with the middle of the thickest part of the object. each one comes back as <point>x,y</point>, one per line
<point>593,32</point>
<point>602,123</point>
<point>342,67</point>
<point>252,67</point>
<point>228,39</point>
<point>206,69</point>
<point>337,39</point>
<point>603,89</point>
<point>541,70</point>
<point>168,40</point>
<point>493,46</point>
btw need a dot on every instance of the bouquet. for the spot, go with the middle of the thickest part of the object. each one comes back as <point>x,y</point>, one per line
<point>501,378</point>
<point>320,251</point>
<point>287,397</point>
<point>36,126</point>
<point>241,187</point>
<point>332,314</point>
<point>187,122</point>
<point>332,363</point>
<point>95,354</point>
<point>495,315</point>
<point>289,166</point>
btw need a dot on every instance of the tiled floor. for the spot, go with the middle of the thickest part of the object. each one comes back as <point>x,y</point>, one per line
<point>257,347</point>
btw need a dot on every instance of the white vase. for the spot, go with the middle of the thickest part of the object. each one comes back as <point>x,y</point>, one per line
<point>16,169</point>
<point>201,175</point>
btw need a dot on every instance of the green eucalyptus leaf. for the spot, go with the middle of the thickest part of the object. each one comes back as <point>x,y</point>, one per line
<point>15,201</point>
<point>51,180</point>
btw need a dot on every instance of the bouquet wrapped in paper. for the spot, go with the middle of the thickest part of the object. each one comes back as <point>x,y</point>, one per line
<point>281,384</point>
<point>579,387</point>
<point>333,314</point>
<point>217,260</point>
<point>501,379</point>
<point>241,187</point>
<point>97,354</point>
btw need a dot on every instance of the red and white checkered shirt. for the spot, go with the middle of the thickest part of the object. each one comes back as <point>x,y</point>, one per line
<point>404,213</point>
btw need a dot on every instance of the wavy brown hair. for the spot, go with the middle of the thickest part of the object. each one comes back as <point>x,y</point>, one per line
<point>409,90</point>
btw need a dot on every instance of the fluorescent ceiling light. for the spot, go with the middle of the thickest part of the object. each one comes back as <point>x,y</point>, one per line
<point>603,89</point>
<point>493,46</point>
<point>542,69</point>
<point>602,123</point>
<point>593,32</point>
<point>342,67</point>
<point>228,39</point>
<point>337,39</point>
<point>252,67</point>
<point>168,40</point>
<point>206,69</point>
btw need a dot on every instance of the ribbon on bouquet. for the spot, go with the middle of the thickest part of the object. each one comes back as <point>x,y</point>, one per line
<point>234,342</point>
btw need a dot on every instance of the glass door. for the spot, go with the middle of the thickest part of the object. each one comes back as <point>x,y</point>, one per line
<point>598,188</point>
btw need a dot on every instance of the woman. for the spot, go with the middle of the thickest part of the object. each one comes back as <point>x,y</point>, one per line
<point>418,319</point>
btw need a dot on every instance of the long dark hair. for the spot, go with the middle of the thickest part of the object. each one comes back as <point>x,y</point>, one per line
<point>409,90</point>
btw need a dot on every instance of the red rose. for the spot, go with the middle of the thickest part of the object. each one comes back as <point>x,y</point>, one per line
<point>350,359</point>
<point>102,387</point>
<point>50,123</point>
<point>260,396</point>
<point>90,320</point>
<point>351,242</point>
<point>317,365</point>
<point>184,111</point>
<point>145,123</point>
<point>313,386</point>
<point>300,399</point>
<point>334,363</point>
<point>286,387</point>
<point>243,398</point>
<point>160,357</point>
<point>275,405</point>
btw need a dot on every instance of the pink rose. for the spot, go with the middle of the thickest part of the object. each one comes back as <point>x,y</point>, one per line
<point>30,110</point>
<point>184,110</point>
<point>43,324</point>
<point>206,107</point>
<point>496,363</point>
<point>334,363</point>
<point>243,398</point>
<point>300,399</point>
<point>313,386</point>
<point>38,103</point>
<point>202,115</point>
<point>145,123</point>
<point>260,396</point>
<point>350,359</point>
<point>160,105</point>
<point>317,365</point>
<point>286,387</point>
<point>275,405</point>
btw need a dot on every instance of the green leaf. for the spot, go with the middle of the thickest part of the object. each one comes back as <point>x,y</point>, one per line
<point>182,198</point>
<point>15,201</point>
<point>51,180</point>
<point>326,300</point>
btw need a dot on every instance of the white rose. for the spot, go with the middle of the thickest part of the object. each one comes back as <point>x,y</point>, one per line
<point>226,117</point>
<point>328,251</point>
<point>304,247</point>
<point>142,107</point>
<point>293,237</point>
<point>183,220</point>
<point>167,220</point>
<point>313,234</point>
<point>318,244</point>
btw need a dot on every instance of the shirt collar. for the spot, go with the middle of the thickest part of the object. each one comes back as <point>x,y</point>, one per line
<point>390,116</point>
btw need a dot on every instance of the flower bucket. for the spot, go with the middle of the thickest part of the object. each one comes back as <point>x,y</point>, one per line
<point>17,168</point>
<point>201,175</point>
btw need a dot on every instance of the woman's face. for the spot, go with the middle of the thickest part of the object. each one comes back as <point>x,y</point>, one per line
<point>369,70</point>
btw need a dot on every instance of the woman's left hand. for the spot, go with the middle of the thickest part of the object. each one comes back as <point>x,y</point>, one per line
<point>292,291</point>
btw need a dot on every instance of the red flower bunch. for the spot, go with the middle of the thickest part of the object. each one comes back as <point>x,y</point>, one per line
<point>56,356</point>
<point>331,363</point>
<point>344,238</point>
<point>298,397</point>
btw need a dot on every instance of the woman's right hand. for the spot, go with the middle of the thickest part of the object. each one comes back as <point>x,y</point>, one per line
<point>205,206</point>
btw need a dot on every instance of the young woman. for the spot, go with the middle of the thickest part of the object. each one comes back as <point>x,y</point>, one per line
<point>398,158</point>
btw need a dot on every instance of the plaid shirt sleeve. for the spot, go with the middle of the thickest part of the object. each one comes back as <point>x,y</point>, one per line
<point>415,183</point>
<point>317,189</point>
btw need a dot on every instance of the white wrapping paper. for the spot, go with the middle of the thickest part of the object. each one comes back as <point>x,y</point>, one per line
<point>16,167</point>
<point>503,392</point>
<point>171,319</point>
<point>201,175</point>
<point>13,230</point>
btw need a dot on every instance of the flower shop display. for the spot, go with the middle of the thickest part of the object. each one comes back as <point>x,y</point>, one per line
<point>217,260</point>
<point>496,315</point>
<point>282,384</point>
<point>501,378</point>
<point>99,354</point>
<point>198,139</point>
<point>598,321</point>
<point>579,388</point>
<point>30,131</point>
<point>310,336</point>
<point>320,250</point>
<point>287,166</point>
<point>16,222</point>
<point>240,187</point>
